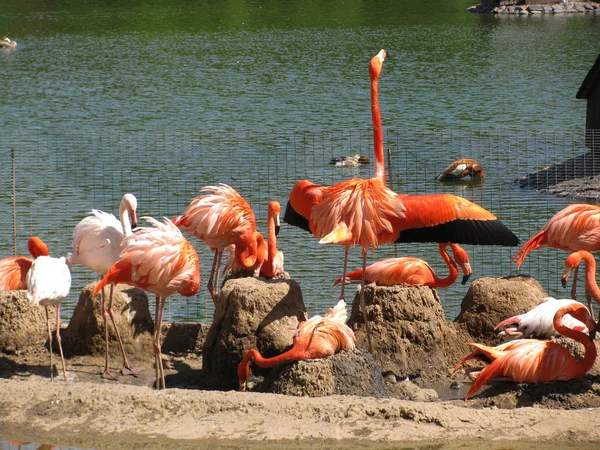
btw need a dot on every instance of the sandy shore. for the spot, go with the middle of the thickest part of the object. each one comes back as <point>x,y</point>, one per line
<point>116,415</point>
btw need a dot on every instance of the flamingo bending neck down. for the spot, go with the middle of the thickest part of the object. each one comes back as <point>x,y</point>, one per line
<point>13,269</point>
<point>367,213</point>
<point>539,321</point>
<point>220,216</point>
<point>535,361</point>
<point>410,271</point>
<point>97,243</point>
<point>591,286</point>
<point>160,260</point>
<point>316,338</point>
<point>48,283</point>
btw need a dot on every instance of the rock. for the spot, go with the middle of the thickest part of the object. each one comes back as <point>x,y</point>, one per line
<point>346,373</point>
<point>407,390</point>
<point>21,323</point>
<point>558,9</point>
<point>491,300</point>
<point>535,8</point>
<point>252,313</point>
<point>411,336</point>
<point>85,333</point>
<point>183,337</point>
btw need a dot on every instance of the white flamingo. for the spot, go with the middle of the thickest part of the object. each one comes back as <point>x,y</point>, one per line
<point>538,322</point>
<point>97,245</point>
<point>48,283</point>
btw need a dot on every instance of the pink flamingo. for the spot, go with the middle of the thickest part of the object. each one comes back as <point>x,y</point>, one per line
<point>316,338</point>
<point>97,241</point>
<point>220,216</point>
<point>273,263</point>
<point>158,260</point>
<point>534,361</point>
<point>591,286</point>
<point>410,271</point>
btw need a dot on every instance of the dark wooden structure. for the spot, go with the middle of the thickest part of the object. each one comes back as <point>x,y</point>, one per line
<point>590,91</point>
<point>584,165</point>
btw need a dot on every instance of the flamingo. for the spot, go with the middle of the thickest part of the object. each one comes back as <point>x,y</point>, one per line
<point>461,168</point>
<point>591,286</point>
<point>13,269</point>
<point>220,216</point>
<point>410,271</point>
<point>97,241</point>
<point>538,322</point>
<point>273,263</point>
<point>316,338</point>
<point>48,283</point>
<point>160,260</point>
<point>535,361</point>
<point>575,227</point>
<point>366,212</point>
<point>5,42</point>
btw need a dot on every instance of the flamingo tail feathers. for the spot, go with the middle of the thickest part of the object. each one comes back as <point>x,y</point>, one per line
<point>120,272</point>
<point>536,241</point>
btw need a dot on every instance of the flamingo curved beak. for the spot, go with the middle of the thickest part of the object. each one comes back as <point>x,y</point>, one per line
<point>133,219</point>
<point>564,279</point>
<point>465,278</point>
<point>277,228</point>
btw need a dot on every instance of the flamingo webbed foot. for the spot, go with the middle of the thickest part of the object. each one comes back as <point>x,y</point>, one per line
<point>107,375</point>
<point>128,370</point>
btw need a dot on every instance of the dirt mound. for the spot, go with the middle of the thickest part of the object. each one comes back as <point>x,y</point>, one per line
<point>491,300</point>
<point>350,372</point>
<point>85,332</point>
<point>252,313</point>
<point>22,324</point>
<point>410,334</point>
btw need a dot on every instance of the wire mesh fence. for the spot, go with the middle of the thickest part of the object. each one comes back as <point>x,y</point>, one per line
<point>62,175</point>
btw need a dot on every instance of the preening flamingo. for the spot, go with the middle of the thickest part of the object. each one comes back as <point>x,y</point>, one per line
<point>13,269</point>
<point>48,283</point>
<point>220,216</point>
<point>535,361</point>
<point>160,260</point>
<point>538,322</point>
<point>591,286</point>
<point>273,263</point>
<point>367,213</point>
<point>410,271</point>
<point>97,241</point>
<point>316,338</point>
<point>461,168</point>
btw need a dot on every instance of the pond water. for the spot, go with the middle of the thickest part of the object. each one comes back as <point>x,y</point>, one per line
<point>163,97</point>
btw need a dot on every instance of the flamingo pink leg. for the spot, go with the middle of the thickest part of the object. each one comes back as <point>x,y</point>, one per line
<point>50,344</point>
<point>160,374</point>
<point>363,305</point>
<point>342,294</point>
<point>106,374</point>
<point>214,276</point>
<point>126,369</point>
<point>59,340</point>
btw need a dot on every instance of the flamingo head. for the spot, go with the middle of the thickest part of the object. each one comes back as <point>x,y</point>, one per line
<point>571,263</point>
<point>377,64</point>
<point>462,259</point>
<point>37,247</point>
<point>129,205</point>
<point>274,211</point>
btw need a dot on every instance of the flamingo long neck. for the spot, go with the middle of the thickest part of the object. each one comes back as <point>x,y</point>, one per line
<point>585,364</point>
<point>246,253</point>
<point>125,222</point>
<point>377,130</point>
<point>291,355</point>
<point>590,276</point>
<point>451,278</point>
<point>271,238</point>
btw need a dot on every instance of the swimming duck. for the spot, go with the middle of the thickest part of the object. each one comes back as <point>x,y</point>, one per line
<point>5,42</point>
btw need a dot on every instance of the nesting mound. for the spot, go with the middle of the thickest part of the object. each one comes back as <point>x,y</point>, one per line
<point>85,333</point>
<point>21,323</point>
<point>491,300</point>
<point>410,334</point>
<point>251,313</point>
<point>350,372</point>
